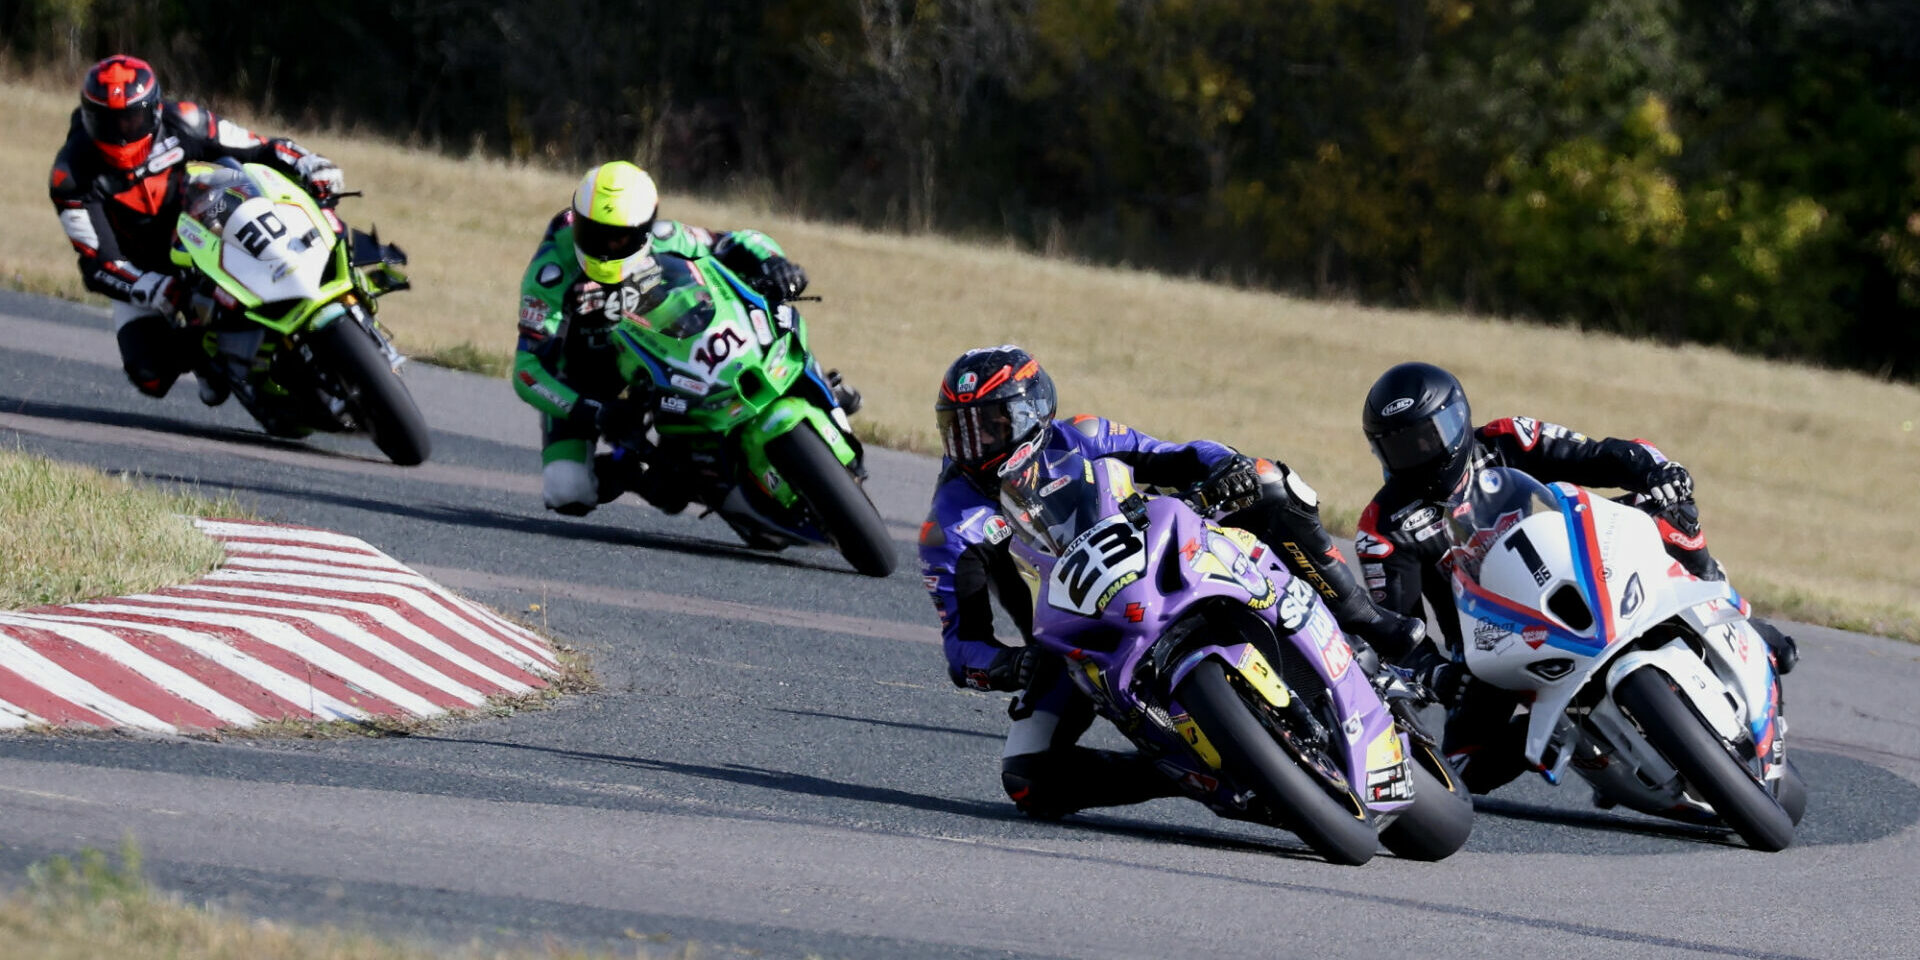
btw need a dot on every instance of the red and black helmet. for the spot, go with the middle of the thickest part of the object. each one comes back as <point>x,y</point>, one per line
<point>995,409</point>
<point>120,107</point>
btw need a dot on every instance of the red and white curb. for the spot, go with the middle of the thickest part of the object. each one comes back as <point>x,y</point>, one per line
<point>298,624</point>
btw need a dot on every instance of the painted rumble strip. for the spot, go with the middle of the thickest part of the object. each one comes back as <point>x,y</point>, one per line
<point>297,623</point>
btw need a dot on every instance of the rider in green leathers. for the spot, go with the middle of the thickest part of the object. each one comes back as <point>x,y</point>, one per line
<point>596,260</point>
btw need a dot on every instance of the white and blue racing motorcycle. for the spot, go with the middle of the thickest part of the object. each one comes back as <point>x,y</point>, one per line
<point>1649,682</point>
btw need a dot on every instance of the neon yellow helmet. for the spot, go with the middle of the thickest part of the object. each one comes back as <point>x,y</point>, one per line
<point>613,212</point>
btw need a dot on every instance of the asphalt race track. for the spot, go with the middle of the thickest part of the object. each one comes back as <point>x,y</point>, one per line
<point>777,761</point>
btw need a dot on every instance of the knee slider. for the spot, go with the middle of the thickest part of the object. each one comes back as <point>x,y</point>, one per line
<point>569,487</point>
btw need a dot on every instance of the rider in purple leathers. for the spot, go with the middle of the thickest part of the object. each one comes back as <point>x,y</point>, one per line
<point>996,410</point>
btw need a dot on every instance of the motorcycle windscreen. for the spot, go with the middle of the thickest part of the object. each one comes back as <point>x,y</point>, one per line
<point>1053,500</point>
<point>213,192</point>
<point>1495,502</point>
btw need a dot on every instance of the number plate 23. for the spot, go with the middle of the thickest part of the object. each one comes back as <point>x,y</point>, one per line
<point>1097,565</point>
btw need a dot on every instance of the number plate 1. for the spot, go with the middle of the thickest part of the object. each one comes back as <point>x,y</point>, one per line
<point>1097,565</point>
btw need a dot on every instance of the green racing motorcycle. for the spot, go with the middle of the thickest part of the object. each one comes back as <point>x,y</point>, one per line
<point>283,311</point>
<point>746,423</point>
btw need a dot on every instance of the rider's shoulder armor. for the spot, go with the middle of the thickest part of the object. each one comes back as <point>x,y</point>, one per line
<point>961,517</point>
<point>678,239</point>
<point>544,285</point>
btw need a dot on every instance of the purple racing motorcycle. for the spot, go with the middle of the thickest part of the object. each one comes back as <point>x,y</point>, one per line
<point>1200,646</point>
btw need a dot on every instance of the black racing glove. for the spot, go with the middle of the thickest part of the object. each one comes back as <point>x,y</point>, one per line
<point>1233,485</point>
<point>779,279</point>
<point>1668,484</point>
<point>1011,670</point>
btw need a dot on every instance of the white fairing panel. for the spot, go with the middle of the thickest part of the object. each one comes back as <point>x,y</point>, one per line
<point>276,251</point>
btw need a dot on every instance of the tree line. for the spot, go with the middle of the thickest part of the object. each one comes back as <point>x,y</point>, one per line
<point>1738,172</point>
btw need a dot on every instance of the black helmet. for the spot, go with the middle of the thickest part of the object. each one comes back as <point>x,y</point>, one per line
<point>120,108</point>
<point>996,408</point>
<point>1418,424</point>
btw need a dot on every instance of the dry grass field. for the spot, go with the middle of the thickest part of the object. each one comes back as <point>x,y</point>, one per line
<point>71,533</point>
<point>1807,477</point>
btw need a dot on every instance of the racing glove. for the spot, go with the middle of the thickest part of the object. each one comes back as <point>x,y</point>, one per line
<point>1668,484</point>
<point>158,291</point>
<point>1011,670</point>
<point>780,279</point>
<point>1233,485</point>
<point>322,176</point>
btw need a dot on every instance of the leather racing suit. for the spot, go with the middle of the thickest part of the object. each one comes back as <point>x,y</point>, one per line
<point>121,223</point>
<point>1402,538</point>
<point>964,559</point>
<point>566,355</point>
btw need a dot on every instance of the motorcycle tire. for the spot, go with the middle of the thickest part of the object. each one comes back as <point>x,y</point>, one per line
<point>379,399</point>
<point>1252,757</point>
<point>1441,818</point>
<point>848,517</point>
<point>1792,793</point>
<point>1675,730</point>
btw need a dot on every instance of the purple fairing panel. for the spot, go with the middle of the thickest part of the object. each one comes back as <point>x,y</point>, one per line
<point>1177,562</point>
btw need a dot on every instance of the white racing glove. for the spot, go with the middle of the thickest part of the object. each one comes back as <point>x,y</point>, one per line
<point>1669,483</point>
<point>321,174</point>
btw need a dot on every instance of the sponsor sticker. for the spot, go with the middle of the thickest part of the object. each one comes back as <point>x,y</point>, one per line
<point>967,382</point>
<point>998,529</point>
<point>673,404</point>
<point>1534,636</point>
<point>1404,403</point>
<point>1490,636</point>
<point>533,314</point>
<point>1296,606</point>
<point>689,384</point>
<point>1424,517</point>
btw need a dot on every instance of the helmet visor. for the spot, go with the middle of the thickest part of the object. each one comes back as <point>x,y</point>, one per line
<point>122,126</point>
<point>1428,442</point>
<point>608,242</point>
<point>979,434</point>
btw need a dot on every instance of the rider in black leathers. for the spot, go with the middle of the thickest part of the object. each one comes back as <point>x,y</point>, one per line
<point>1419,426</point>
<point>116,185</point>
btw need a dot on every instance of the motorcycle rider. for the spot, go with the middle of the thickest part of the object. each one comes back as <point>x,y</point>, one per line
<point>1419,425</point>
<point>116,185</point>
<point>594,263</point>
<point>997,407</point>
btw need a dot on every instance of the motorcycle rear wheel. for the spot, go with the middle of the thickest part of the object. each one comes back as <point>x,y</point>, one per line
<point>1250,754</point>
<point>1441,818</point>
<point>379,399</point>
<point>805,461</point>
<point>1674,729</point>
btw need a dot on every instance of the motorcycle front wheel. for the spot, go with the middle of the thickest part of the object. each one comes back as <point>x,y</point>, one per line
<point>379,399</point>
<point>1339,832</point>
<point>1691,746</point>
<point>1441,818</point>
<point>808,464</point>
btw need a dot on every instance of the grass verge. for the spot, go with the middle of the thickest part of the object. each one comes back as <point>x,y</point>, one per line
<point>88,907</point>
<point>71,533</point>
<point>1805,474</point>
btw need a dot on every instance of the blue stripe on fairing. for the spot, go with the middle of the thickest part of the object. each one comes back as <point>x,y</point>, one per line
<point>1583,567</point>
<point>653,369</point>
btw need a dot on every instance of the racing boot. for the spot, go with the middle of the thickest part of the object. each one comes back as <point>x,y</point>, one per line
<point>1055,783</point>
<point>846,396</point>
<point>1686,543</point>
<point>1287,516</point>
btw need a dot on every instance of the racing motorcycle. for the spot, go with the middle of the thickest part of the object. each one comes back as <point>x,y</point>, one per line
<point>1650,683</point>
<point>1200,646</point>
<point>284,305</point>
<point>744,419</point>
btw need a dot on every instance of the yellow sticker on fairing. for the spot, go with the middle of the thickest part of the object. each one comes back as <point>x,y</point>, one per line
<point>1254,667</point>
<point>1385,750</point>
<point>1190,732</point>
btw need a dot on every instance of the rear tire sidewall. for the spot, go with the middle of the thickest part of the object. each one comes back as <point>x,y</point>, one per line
<point>378,397</point>
<point>1441,818</point>
<point>1672,727</point>
<point>806,463</point>
<point>1251,756</point>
